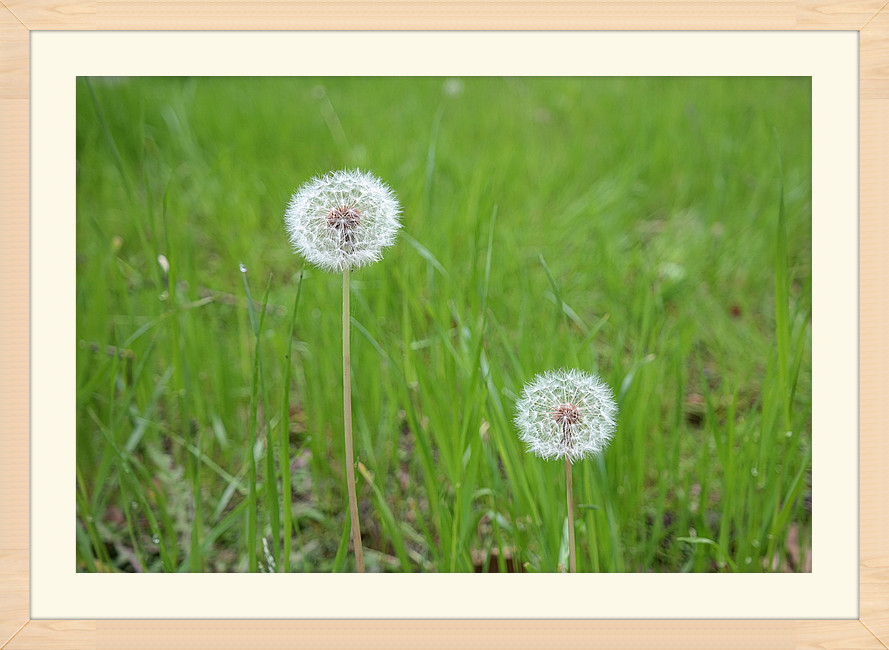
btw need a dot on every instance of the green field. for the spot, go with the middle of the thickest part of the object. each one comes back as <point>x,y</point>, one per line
<point>655,231</point>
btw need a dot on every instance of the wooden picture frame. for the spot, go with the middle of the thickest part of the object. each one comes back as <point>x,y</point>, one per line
<point>18,17</point>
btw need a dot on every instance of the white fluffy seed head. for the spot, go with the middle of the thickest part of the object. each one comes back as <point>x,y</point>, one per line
<point>566,414</point>
<point>343,220</point>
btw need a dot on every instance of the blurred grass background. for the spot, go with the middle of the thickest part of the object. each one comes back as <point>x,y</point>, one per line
<point>633,227</point>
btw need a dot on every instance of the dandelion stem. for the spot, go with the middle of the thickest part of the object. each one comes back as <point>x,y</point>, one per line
<point>347,422</point>
<point>572,560</point>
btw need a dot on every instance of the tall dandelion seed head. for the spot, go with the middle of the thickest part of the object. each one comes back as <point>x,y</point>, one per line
<point>567,414</point>
<point>343,220</point>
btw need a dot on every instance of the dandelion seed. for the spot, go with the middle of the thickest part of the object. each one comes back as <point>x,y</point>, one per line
<point>566,414</point>
<point>343,220</point>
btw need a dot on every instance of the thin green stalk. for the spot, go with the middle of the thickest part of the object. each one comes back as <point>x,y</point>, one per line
<point>572,560</point>
<point>252,563</point>
<point>347,425</point>
<point>782,312</point>
<point>271,480</point>
<point>590,512</point>
<point>617,564</point>
<point>285,438</point>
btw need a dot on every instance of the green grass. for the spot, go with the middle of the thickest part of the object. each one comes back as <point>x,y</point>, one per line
<point>656,231</point>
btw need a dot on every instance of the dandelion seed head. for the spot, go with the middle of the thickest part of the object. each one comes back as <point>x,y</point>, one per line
<point>566,414</point>
<point>343,219</point>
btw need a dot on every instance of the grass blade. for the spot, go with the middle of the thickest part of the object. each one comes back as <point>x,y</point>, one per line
<point>252,561</point>
<point>782,306</point>
<point>285,435</point>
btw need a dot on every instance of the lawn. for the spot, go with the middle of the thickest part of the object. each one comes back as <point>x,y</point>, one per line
<point>654,231</point>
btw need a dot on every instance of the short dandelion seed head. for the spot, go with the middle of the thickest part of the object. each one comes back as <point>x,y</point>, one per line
<point>567,414</point>
<point>343,220</point>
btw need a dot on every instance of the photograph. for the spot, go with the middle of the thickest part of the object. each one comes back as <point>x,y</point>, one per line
<point>427,324</point>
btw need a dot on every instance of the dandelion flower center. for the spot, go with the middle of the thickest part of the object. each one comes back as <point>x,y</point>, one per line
<point>345,218</point>
<point>566,416</point>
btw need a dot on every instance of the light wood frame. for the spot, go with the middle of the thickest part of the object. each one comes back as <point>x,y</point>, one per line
<point>869,17</point>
